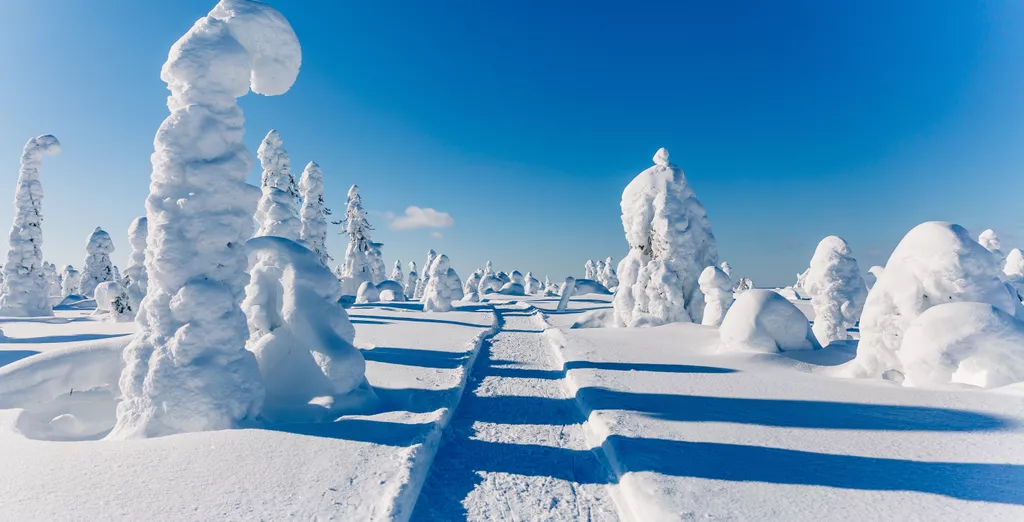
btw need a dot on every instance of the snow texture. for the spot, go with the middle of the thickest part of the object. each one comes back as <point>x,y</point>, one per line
<point>138,281</point>
<point>413,282</point>
<point>717,289</point>
<point>367,293</point>
<point>443,286</point>
<point>301,335</point>
<point>278,209</point>
<point>378,272</point>
<point>25,290</point>
<point>356,268</point>
<point>969,343</point>
<point>313,213</point>
<point>670,243</point>
<point>97,268</point>
<point>990,241</point>
<point>836,289</point>
<point>187,369</point>
<point>934,263</point>
<point>764,321</point>
<point>70,280</point>
<point>389,290</point>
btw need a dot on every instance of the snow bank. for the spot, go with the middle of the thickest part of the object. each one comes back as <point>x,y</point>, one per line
<point>935,263</point>
<point>367,293</point>
<point>313,214</point>
<point>277,210</point>
<point>836,289</point>
<point>717,289</point>
<point>670,243</point>
<point>188,369</point>
<point>97,268</point>
<point>301,335</point>
<point>764,321</point>
<point>25,291</point>
<point>138,281</point>
<point>970,343</point>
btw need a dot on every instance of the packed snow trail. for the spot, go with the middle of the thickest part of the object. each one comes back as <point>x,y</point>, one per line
<point>494,466</point>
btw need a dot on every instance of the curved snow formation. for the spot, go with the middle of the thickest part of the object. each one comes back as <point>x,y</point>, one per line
<point>367,293</point>
<point>391,290</point>
<point>188,369</point>
<point>764,321</point>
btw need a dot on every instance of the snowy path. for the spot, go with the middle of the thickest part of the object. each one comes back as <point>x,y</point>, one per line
<point>496,462</point>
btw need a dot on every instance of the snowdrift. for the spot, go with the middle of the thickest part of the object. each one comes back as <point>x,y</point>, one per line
<point>764,321</point>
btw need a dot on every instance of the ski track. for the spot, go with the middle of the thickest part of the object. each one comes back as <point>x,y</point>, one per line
<point>493,466</point>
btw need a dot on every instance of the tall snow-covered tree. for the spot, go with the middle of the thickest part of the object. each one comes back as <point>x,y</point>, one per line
<point>836,288</point>
<point>70,280</point>
<point>313,213</point>
<point>670,243</point>
<point>717,289</point>
<point>378,271</point>
<point>425,274</point>
<point>137,278</point>
<point>356,268</point>
<point>396,273</point>
<point>98,268</point>
<point>413,282</point>
<point>990,241</point>
<point>443,287</point>
<point>187,368</point>
<point>24,290</point>
<point>590,270</point>
<point>278,209</point>
<point>52,283</point>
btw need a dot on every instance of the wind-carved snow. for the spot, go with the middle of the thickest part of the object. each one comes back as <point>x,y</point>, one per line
<point>25,291</point>
<point>187,369</point>
<point>670,243</point>
<point>277,210</point>
<point>97,268</point>
<point>836,289</point>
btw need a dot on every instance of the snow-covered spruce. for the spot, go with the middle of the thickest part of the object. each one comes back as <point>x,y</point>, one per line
<point>378,272</point>
<point>836,289</point>
<point>532,286</point>
<point>717,289</point>
<point>187,368</point>
<point>277,212</point>
<point>1013,271</point>
<point>608,277</point>
<point>301,336</point>
<point>934,263</point>
<point>421,283</point>
<point>590,270</point>
<point>990,241</point>
<point>70,280</point>
<point>97,268</point>
<point>356,267</point>
<point>472,283</point>
<point>443,286</point>
<point>873,274</point>
<point>413,281</point>
<point>313,213</point>
<point>726,267</point>
<point>397,275</point>
<point>764,321</point>
<point>670,243</point>
<point>24,292</point>
<point>53,287</point>
<point>138,281</point>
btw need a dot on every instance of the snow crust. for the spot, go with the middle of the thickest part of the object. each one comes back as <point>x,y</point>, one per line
<point>836,289</point>
<point>764,321</point>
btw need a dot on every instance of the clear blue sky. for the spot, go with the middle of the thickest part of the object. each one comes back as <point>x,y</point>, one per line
<point>525,120</point>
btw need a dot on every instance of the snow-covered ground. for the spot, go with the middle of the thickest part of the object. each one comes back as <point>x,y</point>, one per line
<point>544,422</point>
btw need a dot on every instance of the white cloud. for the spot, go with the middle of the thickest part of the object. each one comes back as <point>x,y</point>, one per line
<point>416,217</point>
<point>436,235</point>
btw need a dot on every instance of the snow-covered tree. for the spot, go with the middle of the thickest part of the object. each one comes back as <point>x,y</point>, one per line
<point>934,263</point>
<point>565,293</point>
<point>717,289</point>
<point>117,275</point>
<point>138,281</point>
<point>421,284</point>
<point>1013,270</point>
<point>874,273</point>
<point>532,285</point>
<point>70,280</point>
<point>356,268</point>
<point>472,283</point>
<point>801,278</point>
<point>743,284</point>
<point>52,283</point>
<point>990,241</point>
<point>277,212</point>
<point>443,286</point>
<point>24,289</point>
<point>517,278</point>
<point>590,270</point>
<point>836,289</point>
<point>670,243</point>
<point>187,368</point>
<point>397,275</point>
<point>726,267</point>
<point>608,277</point>
<point>413,282</point>
<point>313,213</point>
<point>378,272</point>
<point>98,268</point>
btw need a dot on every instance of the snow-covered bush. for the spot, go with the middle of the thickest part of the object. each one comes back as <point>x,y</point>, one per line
<point>990,241</point>
<point>717,289</point>
<point>413,281</point>
<point>138,281</point>
<point>397,275</point>
<point>764,321</point>
<point>367,293</point>
<point>590,270</point>
<point>356,269</point>
<point>106,293</point>
<point>187,368</point>
<point>836,289</point>
<point>97,268</point>
<point>25,291</point>
<point>970,343</point>
<point>421,283</point>
<point>70,280</point>
<point>313,213</point>
<point>742,285</point>
<point>301,335</point>
<point>670,243</point>
<point>1013,271</point>
<point>389,290</point>
<point>934,263</point>
<point>532,285</point>
<point>277,212</point>
<point>443,286</point>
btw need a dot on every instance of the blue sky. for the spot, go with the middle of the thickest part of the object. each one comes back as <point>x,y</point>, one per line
<point>525,120</point>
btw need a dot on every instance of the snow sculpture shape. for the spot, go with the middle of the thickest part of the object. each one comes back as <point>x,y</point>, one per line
<point>517,278</point>
<point>726,267</point>
<point>313,213</point>
<point>187,368</point>
<point>367,293</point>
<point>670,243</point>
<point>413,282</point>
<point>25,291</point>
<point>717,289</point>
<point>53,288</point>
<point>836,289</point>
<point>934,263</point>
<point>378,273</point>
<point>472,283</point>
<point>969,343</point>
<point>301,335</point>
<point>764,321</point>
<point>442,288</point>
<point>990,241</point>
<point>589,270</point>
<point>511,288</point>
<point>71,279</point>
<point>97,268</point>
<point>138,281</point>
<point>608,277</point>
<point>873,274</point>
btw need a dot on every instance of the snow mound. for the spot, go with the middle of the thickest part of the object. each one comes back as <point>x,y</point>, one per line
<point>969,343</point>
<point>367,293</point>
<point>595,319</point>
<point>589,286</point>
<point>764,321</point>
<point>512,288</point>
<point>717,289</point>
<point>391,290</point>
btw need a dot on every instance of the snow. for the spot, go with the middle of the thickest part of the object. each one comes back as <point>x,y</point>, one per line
<point>670,243</point>
<point>71,279</point>
<point>934,263</point>
<point>138,281</point>
<point>397,275</point>
<point>97,268</point>
<point>277,210</point>
<point>990,241</point>
<point>413,282</point>
<point>389,290</point>
<point>874,273</point>
<point>356,268</point>
<point>367,293</point>
<point>313,214</point>
<point>424,278</point>
<point>970,343</point>
<point>187,369</point>
<point>717,289</point>
<point>25,292</point>
<point>764,321</point>
<point>512,288</point>
<point>1013,270</point>
<point>443,286</point>
<point>836,289</point>
<point>531,287</point>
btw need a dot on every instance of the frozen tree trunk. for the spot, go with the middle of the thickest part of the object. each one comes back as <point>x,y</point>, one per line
<point>187,368</point>
<point>568,287</point>
<point>277,210</point>
<point>98,268</point>
<point>313,214</point>
<point>24,292</point>
<point>138,281</point>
